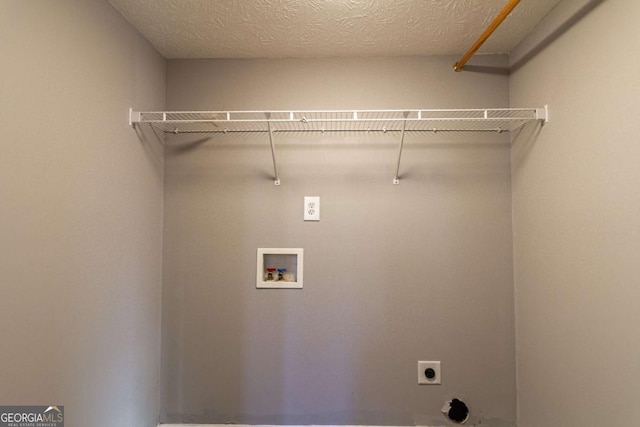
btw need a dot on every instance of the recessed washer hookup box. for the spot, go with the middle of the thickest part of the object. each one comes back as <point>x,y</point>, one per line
<point>279,268</point>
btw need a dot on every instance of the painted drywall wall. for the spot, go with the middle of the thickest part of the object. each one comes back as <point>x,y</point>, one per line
<point>392,274</point>
<point>80,214</point>
<point>577,219</point>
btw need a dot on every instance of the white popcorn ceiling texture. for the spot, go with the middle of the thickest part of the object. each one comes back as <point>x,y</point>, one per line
<point>327,28</point>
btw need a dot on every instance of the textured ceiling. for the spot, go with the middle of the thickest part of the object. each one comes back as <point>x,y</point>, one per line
<point>326,28</point>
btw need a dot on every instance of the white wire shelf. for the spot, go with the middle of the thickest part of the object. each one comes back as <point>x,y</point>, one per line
<point>466,120</point>
<point>461,120</point>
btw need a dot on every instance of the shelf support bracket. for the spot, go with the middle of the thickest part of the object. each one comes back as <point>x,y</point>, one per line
<point>542,114</point>
<point>396,180</point>
<point>276,181</point>
<point>134,117</point>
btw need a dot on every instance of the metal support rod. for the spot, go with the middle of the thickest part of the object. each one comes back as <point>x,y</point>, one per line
<point>396,180</point>
<point>483,38</point>
<point>273,151</point>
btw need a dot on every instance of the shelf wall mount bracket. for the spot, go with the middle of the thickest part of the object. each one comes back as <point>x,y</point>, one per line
<point>542,114</point>
<point>134,117</point>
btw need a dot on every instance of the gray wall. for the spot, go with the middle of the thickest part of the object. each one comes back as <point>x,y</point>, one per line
<point>393,274</point>
<point>577,220</point>
<point>80,214</point>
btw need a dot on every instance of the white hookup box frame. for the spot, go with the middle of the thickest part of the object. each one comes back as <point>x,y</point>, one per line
<point>292,259</point>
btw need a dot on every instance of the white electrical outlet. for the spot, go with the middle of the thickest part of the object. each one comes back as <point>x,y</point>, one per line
<point>429,373</point>
<point>311,208</point>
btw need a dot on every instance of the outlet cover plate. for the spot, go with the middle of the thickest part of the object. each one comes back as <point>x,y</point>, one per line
<point>312,208</point>
<point>422,377</point>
